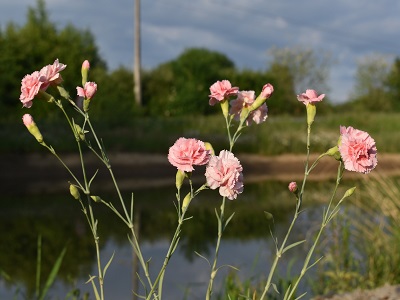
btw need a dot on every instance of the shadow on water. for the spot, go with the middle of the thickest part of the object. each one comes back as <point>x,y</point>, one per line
<point>58,219</point>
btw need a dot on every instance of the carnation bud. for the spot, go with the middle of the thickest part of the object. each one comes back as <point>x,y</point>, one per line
<point>334,152</point>
<point>32,128</point>
<point>74,192</point>
<point>79,133</point>
<point>96,198</point>
<point>266,92</point>
<point>293,187</point>
<point>209,147</point>
<point>84,71</point>
<point>186,202</point>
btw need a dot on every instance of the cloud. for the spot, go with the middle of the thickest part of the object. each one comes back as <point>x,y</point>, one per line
<point>243,30</point>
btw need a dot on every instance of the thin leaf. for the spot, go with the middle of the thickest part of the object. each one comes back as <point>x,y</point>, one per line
<point>94,175</point>
<point>53,274</point>
<point>228,220</point>
<point>292,245</point>
<point>287,291</point>
<point>312,265</point>
<point>198,254</point>
<point>229,266</point>
<point>275,287</point>
<point>132,201</point>
<point>301,296</point>
<point>268,215</point>
<point>96,293</point>
<point>108,264</point>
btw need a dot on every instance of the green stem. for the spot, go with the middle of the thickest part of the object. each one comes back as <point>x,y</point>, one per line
<point>279,252</point>
<point>174,243</point>
<point>327,217</point>
<point>127,220</point>
<point>221,227</point>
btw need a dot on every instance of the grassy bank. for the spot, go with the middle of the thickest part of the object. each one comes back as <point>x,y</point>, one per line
<point>280,134</point>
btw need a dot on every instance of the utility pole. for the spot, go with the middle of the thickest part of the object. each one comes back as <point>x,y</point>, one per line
<point>137,82</point>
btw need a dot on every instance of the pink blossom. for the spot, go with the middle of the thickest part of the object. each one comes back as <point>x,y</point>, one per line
<point>30,86</point>
<point>88,91</point>
<point>292,186</point>
<point>258,116</point>
<point>267,90</point>
<point>244,99</point>
<point>27,120</point>
<point>221,90</point>
<point>358,150</point>
<point>310,97</point>
<point>86,65</point>
<point>225,172</point>
<point>51,73</point>
<point>186,153</point>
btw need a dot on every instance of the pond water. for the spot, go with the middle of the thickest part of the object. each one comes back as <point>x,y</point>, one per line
<point>247,243</point>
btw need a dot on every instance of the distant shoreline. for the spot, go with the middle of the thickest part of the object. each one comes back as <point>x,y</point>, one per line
<point>43,173</point>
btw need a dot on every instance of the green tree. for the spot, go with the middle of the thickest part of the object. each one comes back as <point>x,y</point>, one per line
<point>181,86</point>
<point>307,68</point>
<point>393,82</point>
<point>371,84</point>
<point>36,44</point>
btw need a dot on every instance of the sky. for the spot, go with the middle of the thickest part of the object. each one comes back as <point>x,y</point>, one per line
<point>242,30</point>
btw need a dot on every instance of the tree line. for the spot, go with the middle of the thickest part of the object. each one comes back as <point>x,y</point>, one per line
<point>179,86</point>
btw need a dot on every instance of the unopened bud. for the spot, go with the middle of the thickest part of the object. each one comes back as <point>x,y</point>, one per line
<point>74,192</point>
<point>209,147</point>
<point>334,152</point>
<point>293,187</point>
<point>266,92</point>
<point>84,71</point>
<point>79,133</point>
<point>32,128</point>
<point>186,202</point>
<point>96,198</point>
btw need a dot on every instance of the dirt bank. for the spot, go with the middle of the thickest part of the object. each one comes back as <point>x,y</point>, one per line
<point>43,173</point>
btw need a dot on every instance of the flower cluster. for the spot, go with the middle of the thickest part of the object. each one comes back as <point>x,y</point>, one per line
<point>223,90</point>
<point>31,84</point>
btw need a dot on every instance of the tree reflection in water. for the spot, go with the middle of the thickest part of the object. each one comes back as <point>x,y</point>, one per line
<point>58,219</point>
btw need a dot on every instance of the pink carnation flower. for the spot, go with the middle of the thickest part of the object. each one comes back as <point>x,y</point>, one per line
<point>358,150</point>
<point>88,91</point>
<point>51,73</point>
<point>186,153</point>
<point>259,115</point>
<point>244,100</point>
<point>310,96</point>
<point>225,172</point>
<point>30,86</point>
<point>221,90</point>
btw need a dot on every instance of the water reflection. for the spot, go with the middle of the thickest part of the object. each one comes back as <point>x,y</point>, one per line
<point>246,245</point>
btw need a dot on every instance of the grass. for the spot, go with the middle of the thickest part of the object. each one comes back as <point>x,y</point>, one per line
<point>364,254</point>
<point>280,134</point>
